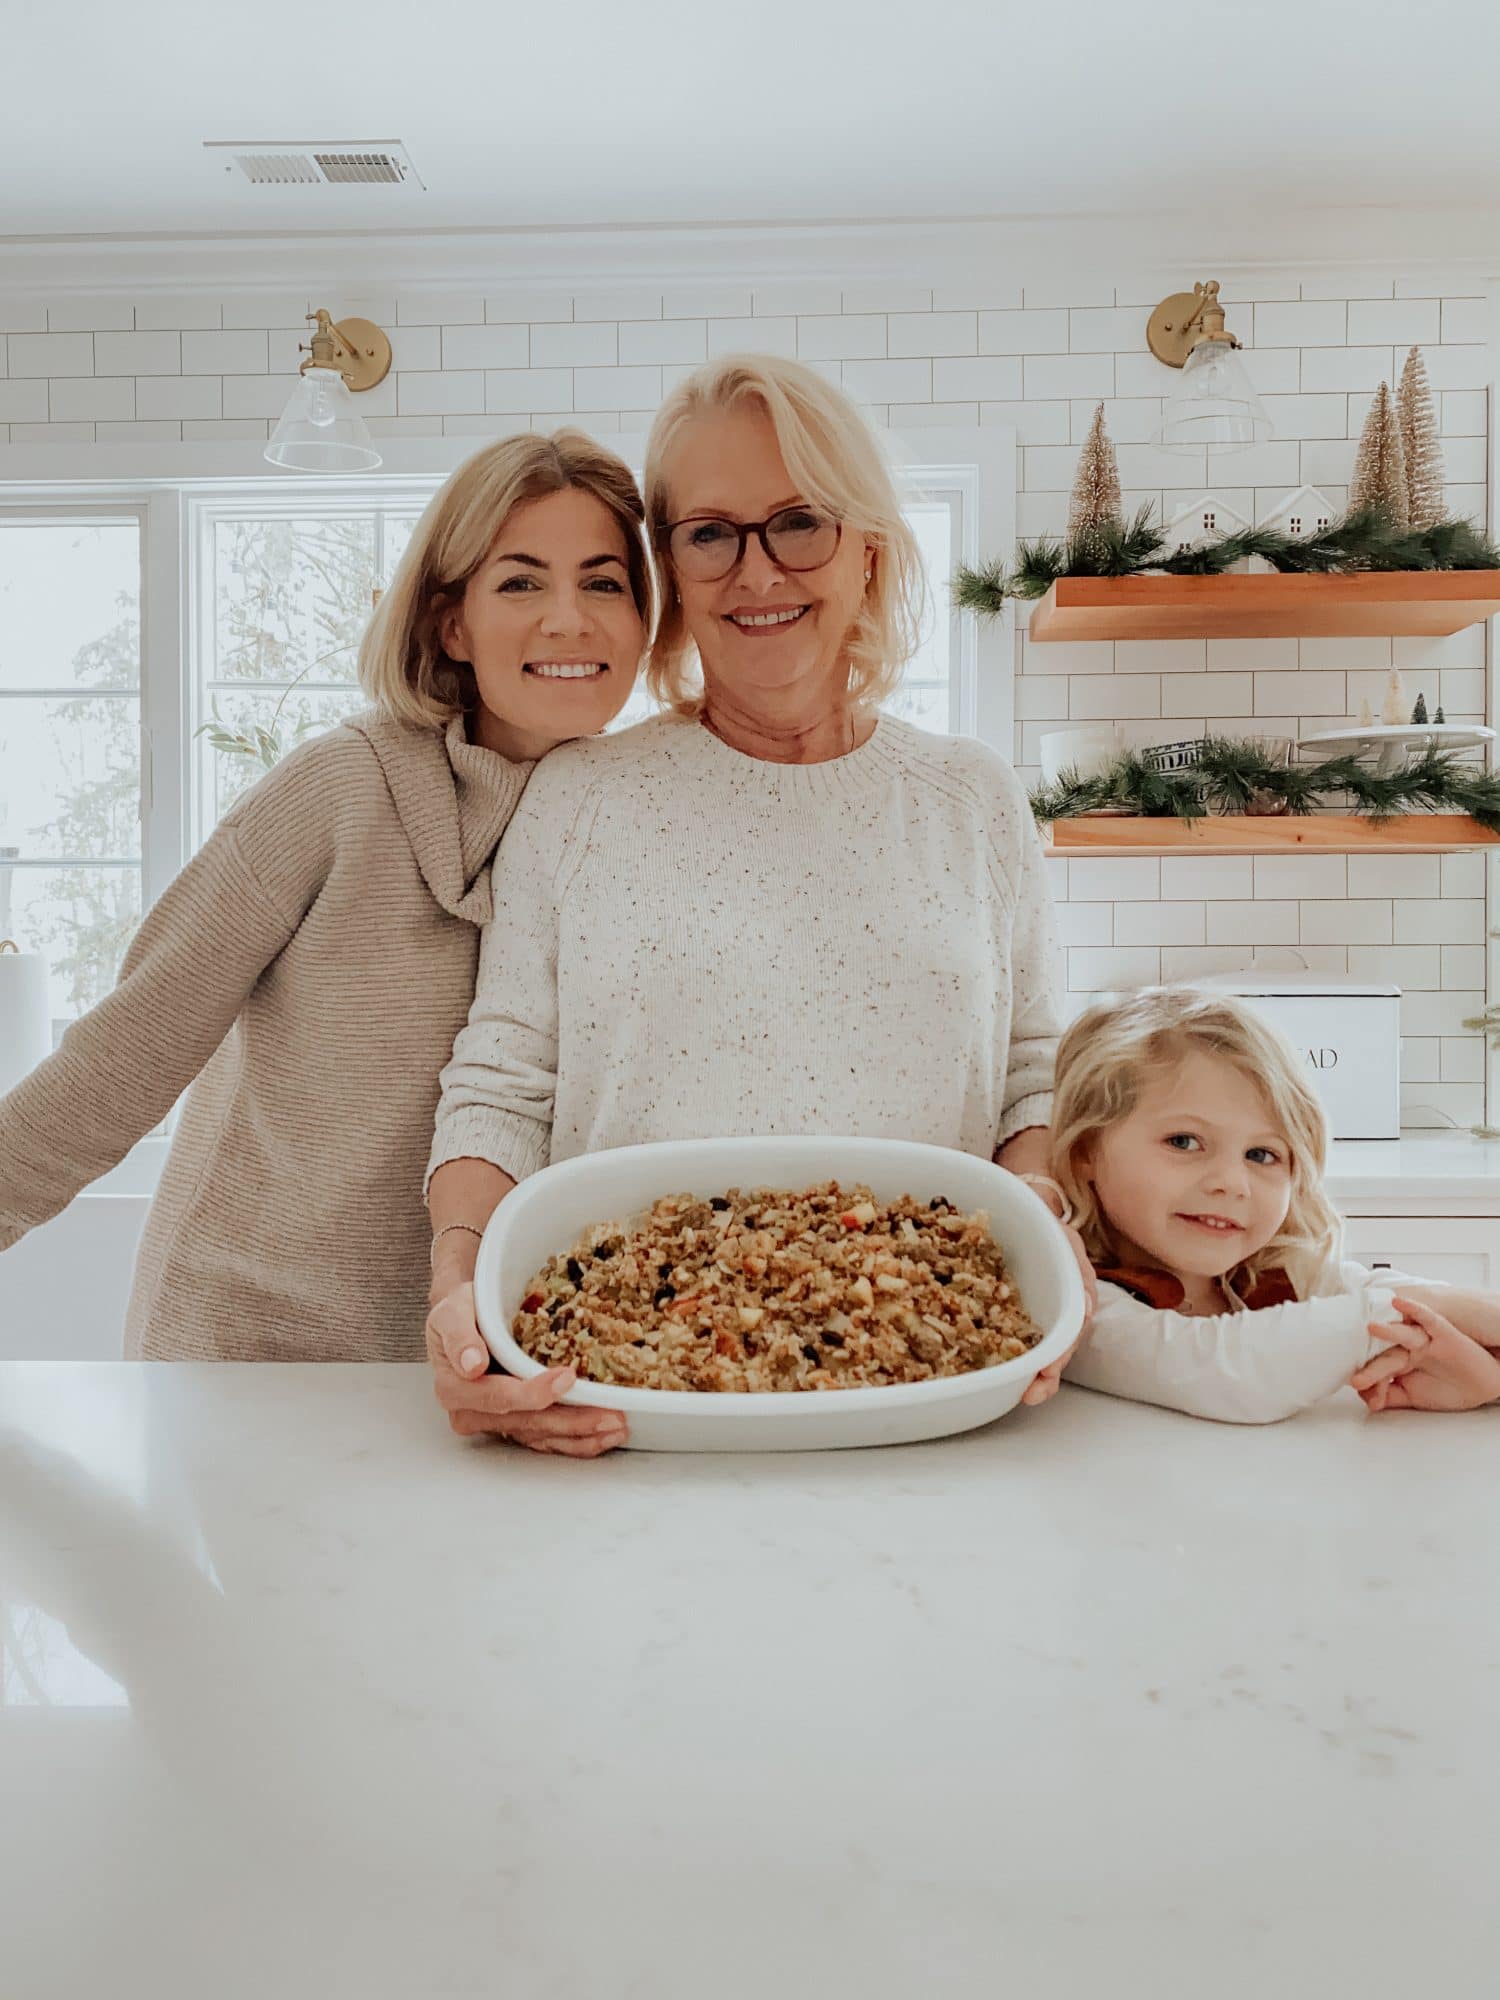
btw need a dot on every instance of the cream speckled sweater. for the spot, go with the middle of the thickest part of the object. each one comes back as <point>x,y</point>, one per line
<point>309,968</point>
<point>701,943</point>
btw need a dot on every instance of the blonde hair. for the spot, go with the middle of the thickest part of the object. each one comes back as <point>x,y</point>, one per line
<point>402,665</point>
<point>835,462</point>
<point>1116,1048</point>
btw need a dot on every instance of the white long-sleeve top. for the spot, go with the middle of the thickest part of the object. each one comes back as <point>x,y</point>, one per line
<point>1253,1366</point>
<point>699,943</point>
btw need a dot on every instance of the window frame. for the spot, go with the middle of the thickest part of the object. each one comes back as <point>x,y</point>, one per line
<point>178,508</point>
<point>981,461</point>
<point>101,510</point>
<point>177,512</point>
<point>202,511</point>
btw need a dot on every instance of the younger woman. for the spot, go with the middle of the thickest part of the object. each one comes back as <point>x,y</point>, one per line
<point>1190,1148</point>
<point>307,971</point>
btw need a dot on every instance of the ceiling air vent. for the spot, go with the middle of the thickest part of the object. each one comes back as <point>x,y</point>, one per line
<point>374,166</point>
<point>318,162</point>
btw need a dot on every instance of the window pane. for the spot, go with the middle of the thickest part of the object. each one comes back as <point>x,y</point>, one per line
<point>82,918</point>
<point>70,777</point>
<point>69,603</point>
<point>398,529</point>
<point>290,595</point>
<point>922,703</point>
<point>932,524</point>
<point>637,709</point>
<point>231,773</point>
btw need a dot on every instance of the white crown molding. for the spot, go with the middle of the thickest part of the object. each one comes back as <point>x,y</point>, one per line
<point>35,472</point>
<point>943,252</point>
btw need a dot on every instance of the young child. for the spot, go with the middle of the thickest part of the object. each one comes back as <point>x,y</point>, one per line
<point>1190,1148</point>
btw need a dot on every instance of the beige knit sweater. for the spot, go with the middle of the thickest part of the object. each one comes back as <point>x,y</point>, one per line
<point>310,968</point>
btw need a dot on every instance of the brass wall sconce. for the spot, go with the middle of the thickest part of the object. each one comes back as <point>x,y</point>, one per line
<point>1215,403</point>
<point>320,429</point>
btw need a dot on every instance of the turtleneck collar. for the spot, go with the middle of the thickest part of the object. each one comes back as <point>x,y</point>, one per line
<point>454,801</point>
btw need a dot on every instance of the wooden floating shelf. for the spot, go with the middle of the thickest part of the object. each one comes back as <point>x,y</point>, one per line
<point>1426,604</point>
<point>1240,833</point>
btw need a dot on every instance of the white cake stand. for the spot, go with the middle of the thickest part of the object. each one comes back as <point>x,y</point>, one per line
<point>1390,744</point>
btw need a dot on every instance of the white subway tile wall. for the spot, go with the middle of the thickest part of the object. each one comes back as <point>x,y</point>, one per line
<point>112,370</point>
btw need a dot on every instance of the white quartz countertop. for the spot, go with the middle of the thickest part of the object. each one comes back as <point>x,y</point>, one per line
<point>1431,1166</point>
<point>302,1697</point>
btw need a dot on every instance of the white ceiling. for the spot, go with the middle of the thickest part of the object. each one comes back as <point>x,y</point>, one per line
<point>601,115</point>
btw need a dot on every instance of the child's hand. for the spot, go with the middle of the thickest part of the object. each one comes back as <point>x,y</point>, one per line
<point>1435,1368</point>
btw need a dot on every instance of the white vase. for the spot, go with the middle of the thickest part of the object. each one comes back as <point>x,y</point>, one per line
<point>1086,750</point>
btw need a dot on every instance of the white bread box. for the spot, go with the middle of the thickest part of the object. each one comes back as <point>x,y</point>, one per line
<point>1347,1031</point>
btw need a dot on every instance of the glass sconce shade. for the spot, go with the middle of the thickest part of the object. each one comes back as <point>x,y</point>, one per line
<point>320,429</point>
<point>1214,404</point>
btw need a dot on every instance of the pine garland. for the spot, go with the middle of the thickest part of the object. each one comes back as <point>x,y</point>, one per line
<point>1231,775</point>
<point>1366,540</point>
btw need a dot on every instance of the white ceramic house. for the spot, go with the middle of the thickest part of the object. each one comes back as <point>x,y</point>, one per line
<point>1206,519</point>
<point>1303,513</point>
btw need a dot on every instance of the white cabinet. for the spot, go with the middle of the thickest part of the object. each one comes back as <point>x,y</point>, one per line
<point>1458,1250</point>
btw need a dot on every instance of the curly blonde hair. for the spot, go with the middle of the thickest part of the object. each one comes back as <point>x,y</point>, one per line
<point>402,665</point>
<point>1114,1049</point>
<point>836,462</point>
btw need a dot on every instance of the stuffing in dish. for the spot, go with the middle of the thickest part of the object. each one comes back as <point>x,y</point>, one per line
<point>769,1290</point>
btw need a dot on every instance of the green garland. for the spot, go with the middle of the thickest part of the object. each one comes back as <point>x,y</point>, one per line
<point>1232,776</point>
<point>1366,540</point>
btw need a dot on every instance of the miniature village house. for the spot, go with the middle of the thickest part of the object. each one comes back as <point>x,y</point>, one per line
<point>1206,519</point>
<point>1303,513</point>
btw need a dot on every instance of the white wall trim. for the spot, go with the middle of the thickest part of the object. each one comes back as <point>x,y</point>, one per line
<point>938,251</point>
<point>33,472</point>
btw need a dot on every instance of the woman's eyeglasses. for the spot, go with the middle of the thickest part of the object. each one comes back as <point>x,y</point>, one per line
<point>706,548</point>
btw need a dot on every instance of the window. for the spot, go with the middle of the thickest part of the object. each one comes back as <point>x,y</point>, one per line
<point>143,627</point>
<point>932,689</point>
<point>283,593</point>
<point>70,744</point>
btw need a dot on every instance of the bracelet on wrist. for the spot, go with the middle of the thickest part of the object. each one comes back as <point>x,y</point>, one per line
<point>447,1230</point>
<point>1064,1212</point>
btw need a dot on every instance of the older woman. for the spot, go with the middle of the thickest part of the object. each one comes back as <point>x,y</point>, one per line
<point>307,971</point>
<point>770,909</point>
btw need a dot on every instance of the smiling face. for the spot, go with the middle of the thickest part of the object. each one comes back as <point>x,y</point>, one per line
<point>548,624</point>
<point>764,634</point>
<point>1197,1178</point>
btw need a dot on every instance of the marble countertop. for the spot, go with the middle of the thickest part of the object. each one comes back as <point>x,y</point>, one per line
<point>301,1697</point>
<point>1458,1172</point>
